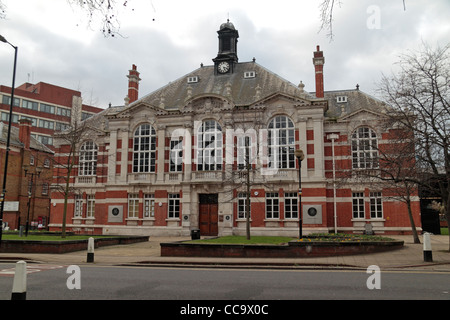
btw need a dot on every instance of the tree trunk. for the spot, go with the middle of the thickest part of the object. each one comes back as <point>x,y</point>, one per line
<point>413,225</point>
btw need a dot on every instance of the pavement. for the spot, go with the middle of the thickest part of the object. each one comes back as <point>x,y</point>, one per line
<point>148,254</point>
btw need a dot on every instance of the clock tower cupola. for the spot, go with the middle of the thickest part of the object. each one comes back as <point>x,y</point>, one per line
<point>227,55</point>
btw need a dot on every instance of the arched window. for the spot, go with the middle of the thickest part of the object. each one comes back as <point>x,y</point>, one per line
<point>209,146</point>
<point>281,143</point>
<point>364,148</point>
<point>144,149</point>
<point>88,159</point>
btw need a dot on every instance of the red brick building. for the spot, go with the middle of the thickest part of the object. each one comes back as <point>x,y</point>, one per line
<point>29,178</point>
<point>50,108</point>
<point>177,158</point>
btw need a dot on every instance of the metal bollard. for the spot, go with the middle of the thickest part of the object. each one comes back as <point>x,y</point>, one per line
<point>19,290</point>
<point>90,251</point>
<point>427,252</point>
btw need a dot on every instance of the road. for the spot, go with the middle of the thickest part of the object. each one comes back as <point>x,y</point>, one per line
<point>50,282</point>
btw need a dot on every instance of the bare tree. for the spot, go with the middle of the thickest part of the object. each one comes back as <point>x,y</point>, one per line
<point>326,9</point>
<point>105,10</point>
<point>419,95</point>
<point>395,168</point>
<point>70,141</point>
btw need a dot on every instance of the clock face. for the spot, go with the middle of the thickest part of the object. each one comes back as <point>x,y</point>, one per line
<point>223,67</point>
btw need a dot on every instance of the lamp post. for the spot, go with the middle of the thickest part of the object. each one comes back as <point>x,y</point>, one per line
<point>300,156</point>
<point>8,139</point>
<point>37,173</point>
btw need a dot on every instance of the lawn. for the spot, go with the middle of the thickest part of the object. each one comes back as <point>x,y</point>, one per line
<point>243,240</point>
<point>328,237</point>
<point>444,231</point>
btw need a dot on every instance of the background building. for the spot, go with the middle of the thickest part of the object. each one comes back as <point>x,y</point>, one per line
<point>29,178</point>
<point>191,154</point>
<point>50,108</point>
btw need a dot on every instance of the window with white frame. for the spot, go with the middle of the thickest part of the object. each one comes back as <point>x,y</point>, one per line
<point>78,208</point>
<point>242,205</point>
<point>44,188</point>
<point>364,149</point>
<point>174,205</point>
<point>7,100</point>
<point>46,124</point>
<point>45,139</point>
<point>176,156</point>
<point>272,205</point>
<point>149,205</point>
<point>87,165</point>
<point>358,205</point>
<point>376,206</point>
<point>63,112</point>
<point>47,163</point>
<point>34,121</point>
<point>133,206</point>
<point>245,151</point>
<point>290,205</point>
<point>281,142</point>
<point>144,149</point>
<point>209,146</point>
<point>30,105</point>
<point>47,108</point>
<point>90,206</point>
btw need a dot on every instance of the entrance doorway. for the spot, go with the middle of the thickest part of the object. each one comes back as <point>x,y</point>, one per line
<point>208,214</point>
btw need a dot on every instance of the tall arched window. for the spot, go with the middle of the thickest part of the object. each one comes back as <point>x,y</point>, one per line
<point>364,148</point>
<point>88,159</point>
<point>144,149</point>
<point>209,146</point>
<point>281,143</point>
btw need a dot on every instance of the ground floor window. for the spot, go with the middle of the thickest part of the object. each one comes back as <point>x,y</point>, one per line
<point>272,205</point>
<point>78,210</point>
<point>290,205</point>
<point>174,205</point>
<point>133,206</point>
<point>358,205</point>
<point>376,207</point>
<point>90,209</point>
<point>149,205</point>
<point>242,205</point>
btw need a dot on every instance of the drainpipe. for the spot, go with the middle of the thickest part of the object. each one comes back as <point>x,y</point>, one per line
<point>333,137</point>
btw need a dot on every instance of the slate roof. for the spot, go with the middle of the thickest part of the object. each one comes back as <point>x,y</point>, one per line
<point>241,91</point>
<point>355,100</point>
<point>14,139</point>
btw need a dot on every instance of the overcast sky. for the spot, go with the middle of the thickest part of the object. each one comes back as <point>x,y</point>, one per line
<point>167,39</point>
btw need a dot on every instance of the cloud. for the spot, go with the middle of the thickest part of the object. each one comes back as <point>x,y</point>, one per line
<point>168,39</point>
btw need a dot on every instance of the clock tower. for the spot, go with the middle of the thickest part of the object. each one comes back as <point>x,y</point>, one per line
<point>227,55</point>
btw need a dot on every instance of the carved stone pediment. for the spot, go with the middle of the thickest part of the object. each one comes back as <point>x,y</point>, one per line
<point>207,105</point>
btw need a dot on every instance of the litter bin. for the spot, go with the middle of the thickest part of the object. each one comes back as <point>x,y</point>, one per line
<point>195,234</point>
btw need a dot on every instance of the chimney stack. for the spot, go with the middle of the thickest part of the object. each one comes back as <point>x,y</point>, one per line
<point>318,62</point>
<point>25,132</point>
<point>133,84</point>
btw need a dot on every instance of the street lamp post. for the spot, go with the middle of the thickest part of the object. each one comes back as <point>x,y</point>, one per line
<point>8,139</point>
<point>300,156</point>
<point>30,192</point>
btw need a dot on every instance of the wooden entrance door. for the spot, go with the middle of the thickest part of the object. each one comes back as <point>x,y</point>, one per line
<point>208,214</point>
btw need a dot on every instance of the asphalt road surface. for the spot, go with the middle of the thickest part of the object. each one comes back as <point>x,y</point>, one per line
<point>51,282</point>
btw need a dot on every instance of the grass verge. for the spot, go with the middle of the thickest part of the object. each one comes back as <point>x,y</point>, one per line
<point>327,237</point>
<point>243,240</point>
